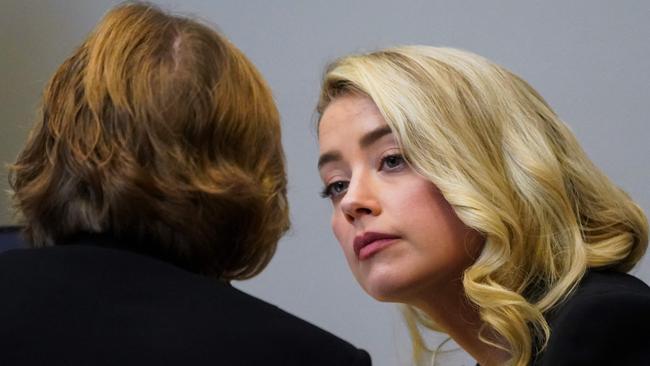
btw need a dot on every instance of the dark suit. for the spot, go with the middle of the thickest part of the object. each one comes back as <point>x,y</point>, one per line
<point>89,304</point>
<point>10,238</point>
<point>605,322</point>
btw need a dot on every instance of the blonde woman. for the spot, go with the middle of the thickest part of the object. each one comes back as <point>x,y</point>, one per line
<point>457,191</point>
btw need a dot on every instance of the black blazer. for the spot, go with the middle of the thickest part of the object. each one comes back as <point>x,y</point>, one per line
<point>84,304</point>
<point>605,322</point>
<point>10,238</point>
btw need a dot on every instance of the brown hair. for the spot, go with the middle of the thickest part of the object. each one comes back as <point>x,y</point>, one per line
<point>159,132</point>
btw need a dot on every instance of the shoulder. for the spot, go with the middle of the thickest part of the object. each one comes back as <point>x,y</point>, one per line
<point>10,238</point>
<point>207,318</point>
<point>601,322</point>
<point>277,334</point>
<point>605,294</point>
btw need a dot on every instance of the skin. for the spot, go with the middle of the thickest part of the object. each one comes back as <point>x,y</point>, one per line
<point>373,189</point>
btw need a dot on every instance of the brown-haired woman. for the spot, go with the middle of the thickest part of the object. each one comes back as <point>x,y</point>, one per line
<point>154,175</point>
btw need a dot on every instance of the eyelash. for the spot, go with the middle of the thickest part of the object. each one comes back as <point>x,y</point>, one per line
<point>326,192</point>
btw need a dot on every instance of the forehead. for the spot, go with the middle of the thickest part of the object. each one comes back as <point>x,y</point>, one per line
<point>346,118</point>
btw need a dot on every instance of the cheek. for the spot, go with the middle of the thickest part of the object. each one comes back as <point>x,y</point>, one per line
<point>461,243</point>
<point>441,235</point>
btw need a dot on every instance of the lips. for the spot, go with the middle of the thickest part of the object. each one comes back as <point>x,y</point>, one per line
<point>369,243</point>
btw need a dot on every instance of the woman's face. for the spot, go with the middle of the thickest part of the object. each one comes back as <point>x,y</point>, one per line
<point>401,238</point>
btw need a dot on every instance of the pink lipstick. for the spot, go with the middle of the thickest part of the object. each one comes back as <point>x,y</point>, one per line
<point>369,243</point>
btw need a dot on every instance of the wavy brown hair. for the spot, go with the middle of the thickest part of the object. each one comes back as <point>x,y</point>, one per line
<point>160,132</point>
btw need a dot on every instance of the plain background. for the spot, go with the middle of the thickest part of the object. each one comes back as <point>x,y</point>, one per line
<point>589,59</point>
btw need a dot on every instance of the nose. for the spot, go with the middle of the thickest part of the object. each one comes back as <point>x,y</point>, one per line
<point>360,199</point>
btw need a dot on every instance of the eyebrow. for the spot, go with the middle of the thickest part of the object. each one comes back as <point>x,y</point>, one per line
<point>328,157</point>
<point>374,135</point>
<point>365,141</point>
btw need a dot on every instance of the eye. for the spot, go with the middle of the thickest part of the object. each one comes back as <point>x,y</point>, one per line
<point>335,189</point>
<point>393,162</point>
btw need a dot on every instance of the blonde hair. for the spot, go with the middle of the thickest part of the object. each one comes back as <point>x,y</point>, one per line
<point>160,132</point>
<point>511,170</point>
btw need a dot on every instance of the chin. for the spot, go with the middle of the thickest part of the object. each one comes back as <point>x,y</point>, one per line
<point>386,290</point>
<point>389,295</point>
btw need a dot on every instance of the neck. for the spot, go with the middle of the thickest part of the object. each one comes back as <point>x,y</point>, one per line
<point>460,319</point>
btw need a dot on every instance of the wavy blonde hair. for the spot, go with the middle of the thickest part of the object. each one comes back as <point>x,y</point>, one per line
<point>511,170</point>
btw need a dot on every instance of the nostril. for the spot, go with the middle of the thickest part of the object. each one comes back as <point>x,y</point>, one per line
<point>363,210</point>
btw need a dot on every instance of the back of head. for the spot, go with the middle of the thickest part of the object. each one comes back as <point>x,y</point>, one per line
<point>159,132</point>
<point>511,170</point>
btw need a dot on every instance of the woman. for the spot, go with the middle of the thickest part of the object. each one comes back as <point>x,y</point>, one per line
<point>458,192</point>
<point>153,177</point>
